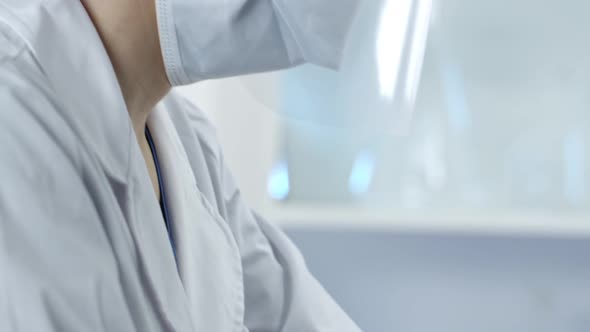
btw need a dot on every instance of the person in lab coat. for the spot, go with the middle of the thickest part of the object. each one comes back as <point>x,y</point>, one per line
<point>117,211</point>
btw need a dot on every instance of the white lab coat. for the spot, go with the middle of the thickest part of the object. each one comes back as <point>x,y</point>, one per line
<point>83,246</point>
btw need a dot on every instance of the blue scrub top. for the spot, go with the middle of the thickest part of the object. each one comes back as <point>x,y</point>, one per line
<point>163,204</point>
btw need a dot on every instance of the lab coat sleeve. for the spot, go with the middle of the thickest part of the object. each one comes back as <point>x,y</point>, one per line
<point>204,39</point>
<point>281,295</point>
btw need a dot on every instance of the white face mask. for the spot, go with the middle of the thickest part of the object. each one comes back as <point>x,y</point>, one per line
<point>204,39</point>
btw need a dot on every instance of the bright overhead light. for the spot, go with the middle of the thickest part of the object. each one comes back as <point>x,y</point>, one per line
<point>391,40</point>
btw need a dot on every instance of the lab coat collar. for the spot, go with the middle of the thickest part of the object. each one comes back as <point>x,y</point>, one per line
<point>70,53</point>
<point>200,235</point>
<point>72,56</point>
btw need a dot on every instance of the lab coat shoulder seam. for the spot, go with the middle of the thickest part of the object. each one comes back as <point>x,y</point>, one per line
<point>17,34</point>
<point>18,45</point>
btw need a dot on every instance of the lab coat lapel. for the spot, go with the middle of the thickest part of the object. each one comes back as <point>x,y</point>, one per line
<point>71,54</point>
<point>92,104</point>
<point>207,255</point>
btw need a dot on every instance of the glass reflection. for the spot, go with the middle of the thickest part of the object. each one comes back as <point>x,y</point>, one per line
<point>500,117</point>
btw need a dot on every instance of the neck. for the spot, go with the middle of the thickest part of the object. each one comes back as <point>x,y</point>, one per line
<point>129,31</point>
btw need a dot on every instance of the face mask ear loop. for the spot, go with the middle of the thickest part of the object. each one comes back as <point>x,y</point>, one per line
<point>169,44</point>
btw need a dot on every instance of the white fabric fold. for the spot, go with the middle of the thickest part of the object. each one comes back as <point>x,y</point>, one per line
<point>206,39</point>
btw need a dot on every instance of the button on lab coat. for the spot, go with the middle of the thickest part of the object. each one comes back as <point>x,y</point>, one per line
<point>83,246</point>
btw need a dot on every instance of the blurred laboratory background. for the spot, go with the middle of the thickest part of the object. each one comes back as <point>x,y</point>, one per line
<point>440,181</point>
